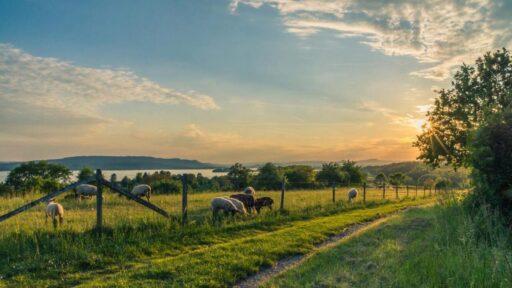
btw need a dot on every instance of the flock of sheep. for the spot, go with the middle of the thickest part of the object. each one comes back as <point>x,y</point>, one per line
<point>240,203</point>
<point>236,203</point>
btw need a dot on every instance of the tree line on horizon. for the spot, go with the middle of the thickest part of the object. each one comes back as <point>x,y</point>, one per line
<point>44,177</point>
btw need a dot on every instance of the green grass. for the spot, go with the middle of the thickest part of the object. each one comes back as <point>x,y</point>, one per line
<point>440,246</point>
<point>34,254</point>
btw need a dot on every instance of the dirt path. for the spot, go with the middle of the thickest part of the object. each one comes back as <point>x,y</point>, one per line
<point>282,265</point>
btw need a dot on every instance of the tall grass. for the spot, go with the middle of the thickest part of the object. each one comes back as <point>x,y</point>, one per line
<point>440,246</point>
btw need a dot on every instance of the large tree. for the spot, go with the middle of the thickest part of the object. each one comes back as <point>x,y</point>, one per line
<point>476,92</point>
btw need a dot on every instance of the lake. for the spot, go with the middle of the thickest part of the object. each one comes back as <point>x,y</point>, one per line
<point>131,173</point>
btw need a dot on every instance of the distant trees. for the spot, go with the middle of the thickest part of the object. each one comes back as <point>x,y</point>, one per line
<point>38,176</point>
<point>239,176</point>
<point>270,177</point>
<point>85,173</point>
<point>299,176</point>
<point>381,179</point>
<point>332,173</point>
<point>396,179</point>
<point>355,174</point>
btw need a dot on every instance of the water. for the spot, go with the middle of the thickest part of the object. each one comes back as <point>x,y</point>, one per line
<point>131,173</point>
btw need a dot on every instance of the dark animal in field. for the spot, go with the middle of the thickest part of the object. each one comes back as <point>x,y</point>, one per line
<point>247,199</point>
<point>142,190</point>
<point>54,210</point>
<point>352,194</point>
<point>228,205</point>
<point>263,202</point>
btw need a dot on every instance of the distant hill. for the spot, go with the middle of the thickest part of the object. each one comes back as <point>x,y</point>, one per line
<point>121,163</point>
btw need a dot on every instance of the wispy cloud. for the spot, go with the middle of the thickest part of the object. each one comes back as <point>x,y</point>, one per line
<point>55,84</point>
<point>444,33</point>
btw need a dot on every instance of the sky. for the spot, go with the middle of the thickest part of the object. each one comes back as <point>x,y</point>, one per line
<point>232,81</point>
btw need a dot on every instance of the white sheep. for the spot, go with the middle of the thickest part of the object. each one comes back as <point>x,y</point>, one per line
<point>352,193</point>
<point>226,204</point>
<point>238,204</point>
<point>54,209</point>
<point>142,190</point>
<point>86,191</point>
<point>250,190</point>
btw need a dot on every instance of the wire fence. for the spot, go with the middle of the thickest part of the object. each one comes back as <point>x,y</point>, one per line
<point>185,207</point>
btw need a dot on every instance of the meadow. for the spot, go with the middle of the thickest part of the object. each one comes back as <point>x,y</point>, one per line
<point>436,246</point>
<point>141,248</point>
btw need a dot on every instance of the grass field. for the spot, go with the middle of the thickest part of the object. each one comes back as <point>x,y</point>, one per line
<point>439,246</point>
<point>141,248</point>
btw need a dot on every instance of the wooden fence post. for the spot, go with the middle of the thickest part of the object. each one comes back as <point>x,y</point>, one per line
<point>99,200</point>
<point>384,191</point>
<point>407,189</point>
<point>283,186</point>
<point>364,192</point>
<point>184,199</point>
<point>396,191</point>
<point>333,192</point>
<point>416,195</point>
<point>424,188</point>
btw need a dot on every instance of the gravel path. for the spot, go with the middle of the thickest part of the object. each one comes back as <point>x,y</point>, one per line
<point>282,265</point>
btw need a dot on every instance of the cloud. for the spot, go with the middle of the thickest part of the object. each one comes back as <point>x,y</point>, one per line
<point>444,33</point>
<point>55,84</point>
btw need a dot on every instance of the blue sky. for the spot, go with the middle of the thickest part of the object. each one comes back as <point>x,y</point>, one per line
<point>227,81</point>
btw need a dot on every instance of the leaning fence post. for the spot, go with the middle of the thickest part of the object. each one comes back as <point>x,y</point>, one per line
<point>99,200</point>
<point>281,207</point>
<point>333,192</point>
<point>364,192</point>
<point>396,191</point>
<point>184,199</point>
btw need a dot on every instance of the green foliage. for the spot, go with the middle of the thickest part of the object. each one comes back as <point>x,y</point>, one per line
<point>239,176</point>
<point>354,172</point>
<point>38,176</point>
<point>397,179</point>
<point>269,177</point>
<point>332,173</point>
<point>443,246</point>
<point>477,92</point>
<point>85,173</point>
<point>299,176</point>
<point>381,179</point>
<point>492,163</point>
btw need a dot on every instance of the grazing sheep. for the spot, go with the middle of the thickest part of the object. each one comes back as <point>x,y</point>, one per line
<point>250,190</point>
<point>85,191</point>
<point>142,190</point>
<point>54,209</point>
<point>352,193</point>
<point>226,204</point>
<point>263,202</point>
<point>238,204</point>
<point>247,199</point>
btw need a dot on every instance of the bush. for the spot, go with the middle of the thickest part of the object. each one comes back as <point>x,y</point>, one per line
<point>492,163</point>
